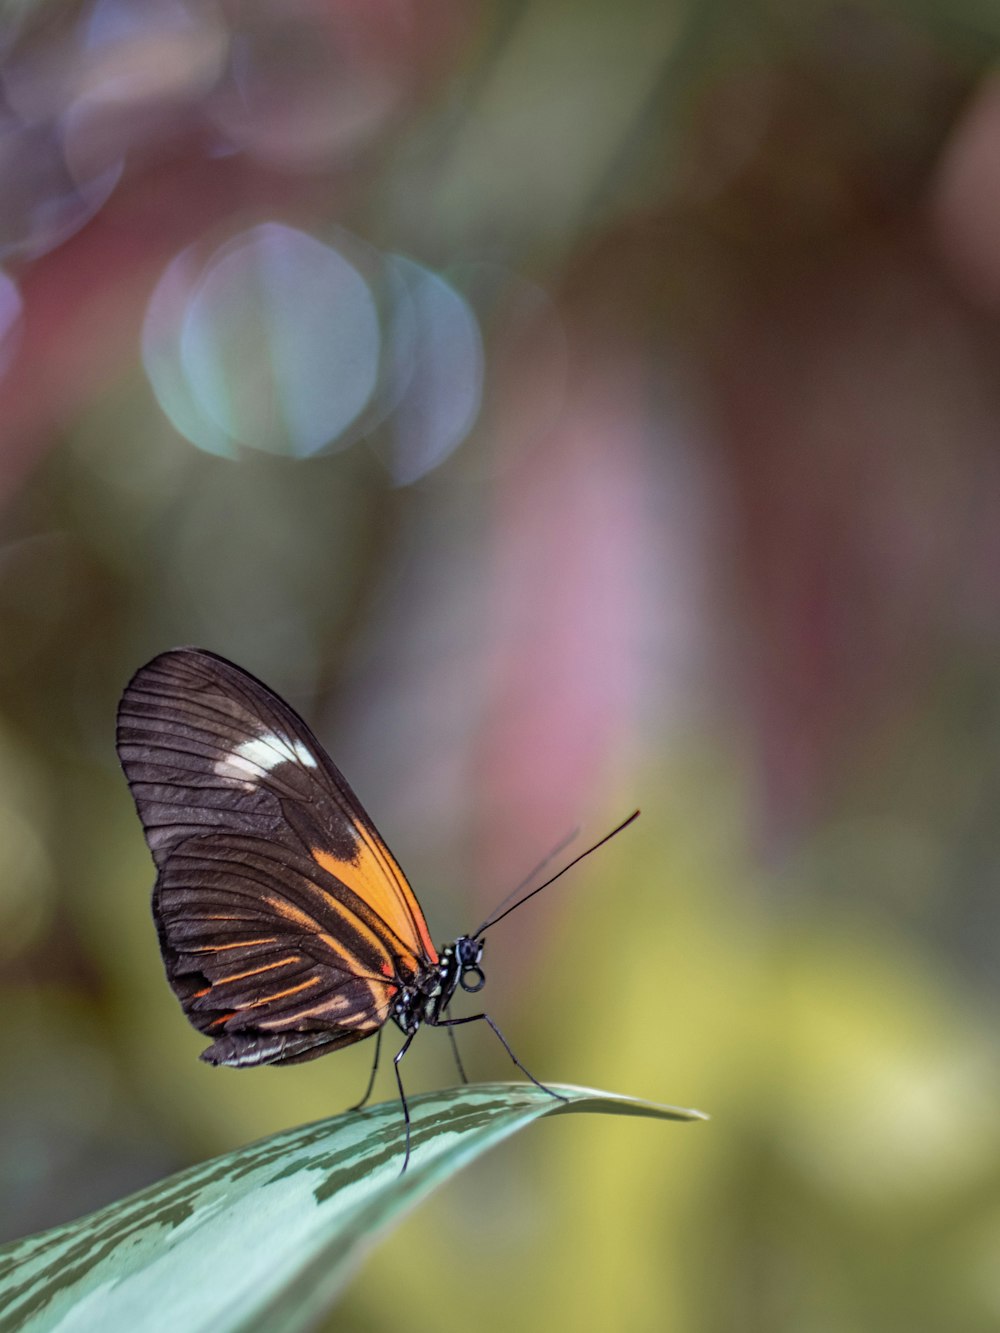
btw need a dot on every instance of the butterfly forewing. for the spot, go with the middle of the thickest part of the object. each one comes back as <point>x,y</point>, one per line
<point>284,921</point>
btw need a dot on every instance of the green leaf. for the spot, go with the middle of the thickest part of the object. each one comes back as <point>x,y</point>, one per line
<point>266,1236</point>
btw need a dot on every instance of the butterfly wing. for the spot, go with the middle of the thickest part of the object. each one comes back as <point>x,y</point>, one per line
<point>285,923</point>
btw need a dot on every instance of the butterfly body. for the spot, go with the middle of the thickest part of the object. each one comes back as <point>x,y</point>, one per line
<point>427,999</point>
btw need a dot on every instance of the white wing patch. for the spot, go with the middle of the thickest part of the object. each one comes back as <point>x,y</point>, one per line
<point>260,754</point>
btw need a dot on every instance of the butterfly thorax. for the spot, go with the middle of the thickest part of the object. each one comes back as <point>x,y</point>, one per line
<point>426,999</point>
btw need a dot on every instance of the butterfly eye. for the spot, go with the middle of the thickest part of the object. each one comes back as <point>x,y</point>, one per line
<point>468,951</point>
<point>472,979</point>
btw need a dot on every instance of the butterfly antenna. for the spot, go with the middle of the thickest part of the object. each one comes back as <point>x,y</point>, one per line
<point>499,915</point>
<point>535,871</point>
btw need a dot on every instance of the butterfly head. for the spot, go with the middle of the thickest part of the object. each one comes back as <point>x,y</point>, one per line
<point>468,953</point>
<point>458,966</point>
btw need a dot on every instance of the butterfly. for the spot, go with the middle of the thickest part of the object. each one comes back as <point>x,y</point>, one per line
<point>286,926</point>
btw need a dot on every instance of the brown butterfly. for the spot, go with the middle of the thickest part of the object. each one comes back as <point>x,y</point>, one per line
<point>287,929</point>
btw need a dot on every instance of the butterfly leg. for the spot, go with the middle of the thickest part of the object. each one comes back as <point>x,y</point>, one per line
<point>371,1077</point>
<point>485,1018</point>
<point>402,1095</point>
<point>458,1059</point>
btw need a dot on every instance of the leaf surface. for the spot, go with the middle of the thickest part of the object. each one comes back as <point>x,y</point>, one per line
<point>265,1237</point>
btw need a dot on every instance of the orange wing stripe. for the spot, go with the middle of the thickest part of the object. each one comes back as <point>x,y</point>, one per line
<point>281,994</point>
<point>305,922</point>
<point>239,944</point>
<point>342,1011</point>
<point>368,880</point>
<point>391,877</point>
<point>256,971</point>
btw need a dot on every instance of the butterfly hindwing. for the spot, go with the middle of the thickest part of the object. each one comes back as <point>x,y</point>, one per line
<point>284,921</point>
<point>252,943</point>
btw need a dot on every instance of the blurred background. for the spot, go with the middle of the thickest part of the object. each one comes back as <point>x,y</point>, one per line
<point>567,407</point>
